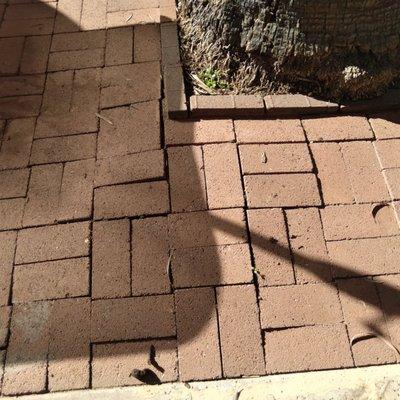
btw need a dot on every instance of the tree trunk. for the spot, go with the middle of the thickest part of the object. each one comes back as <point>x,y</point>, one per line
<point>335,48</point>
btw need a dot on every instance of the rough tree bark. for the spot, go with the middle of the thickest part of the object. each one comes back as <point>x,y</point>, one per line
<point>336,48</point>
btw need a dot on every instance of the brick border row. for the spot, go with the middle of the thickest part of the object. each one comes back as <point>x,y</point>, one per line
<point>182,106</point>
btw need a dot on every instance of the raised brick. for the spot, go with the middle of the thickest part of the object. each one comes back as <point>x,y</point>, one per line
<point>307,348</point>
<point>112,319</point>
<point>241,349</point>
<point>386,125</point>
<point>65,60</point>
<point>78,41</point>
<point>17,142</point>
<point>7,250</point>
<point>10,54</point>
<point>35,55</point>
<point>133,17</point>
<point>147,43</point>
<point>21,85</point>
<point>197,332</point>
<point>76,190</point>
<point>5,313</point>
<point>20,106</point>
<point>111,268</point>
<point>26,364</point>
<point>207,228</point>
<point>358,221</point>
<point>197,132</point>
<point>362,257</point>
<point>149,250</point>
<point>212,266</point>
<point>13,183</point>
<point>388,153</point>
<point>29,11</point>
<point>119,46</point>
<point>282,190</point>
<point>128,84</point>
<point>223,180</point>
<point>36,26</point>
<point>133,129</point>
<point>68,148</point>
<point>68,16</point>
<point>269,131</point>
<point>93,15</point>
<point>259,158</point>
<point>11,211</point>
<point>392,177</point>
<point>51,280</point>
<point>69,347</point>
<point>270,247</point>
<point>130,168</point>
<point>332,174</point>
<point>131,200</point>
<point>65,124</point>
<point>363,168</point>
<point>113,363</point>
<point>337,128</point>
<point>362,310</point>
<point>43,195</point>
<point>307,242</point>
<point>58,93</point>
<point>121,5</point>
<point>388,289</point>
<point>52,242</point>
<point>299,305</point>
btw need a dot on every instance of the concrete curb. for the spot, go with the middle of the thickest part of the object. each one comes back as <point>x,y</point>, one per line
<point>370,383</point>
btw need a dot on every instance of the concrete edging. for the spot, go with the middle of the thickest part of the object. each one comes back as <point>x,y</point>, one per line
<point>367,383</point>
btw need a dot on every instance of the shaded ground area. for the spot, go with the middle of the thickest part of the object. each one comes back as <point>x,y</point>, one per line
<point>197,249</point>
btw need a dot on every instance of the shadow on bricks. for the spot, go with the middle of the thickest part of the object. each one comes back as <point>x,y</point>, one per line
<point>122,254</point>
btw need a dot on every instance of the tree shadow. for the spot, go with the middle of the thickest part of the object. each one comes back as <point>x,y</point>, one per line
<point>64,344</point>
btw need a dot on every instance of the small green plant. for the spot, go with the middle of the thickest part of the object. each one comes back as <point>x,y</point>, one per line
<point>212,79</point>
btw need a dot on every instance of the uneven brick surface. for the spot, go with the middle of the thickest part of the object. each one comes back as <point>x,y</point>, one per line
<point>310,256</point>
<point>261,159</point>
<point>112,362</point>
<point>358,221</point>
<point>149,250</point>
<point>51,280</point>
<point>199,248</point>
<point>186,170</point>
<point>337,128</point>
<point>299,305</point>
<point>307,348</point>
<point>112,319</point>
<point>133,129</point>
<point>197,332</point>
<point>269,131</point>
<point>224,186</point>
<point>360,316</point>
<point>282,190</point>
<point>111,268</point>
<point>212,265</point>
<point>131,200</point>
<point>241,349</point>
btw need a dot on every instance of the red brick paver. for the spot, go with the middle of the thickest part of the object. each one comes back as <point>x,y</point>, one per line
<point>197,249</point>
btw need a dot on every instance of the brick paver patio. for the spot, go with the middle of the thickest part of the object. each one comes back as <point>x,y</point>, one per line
<point>223,248</point>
